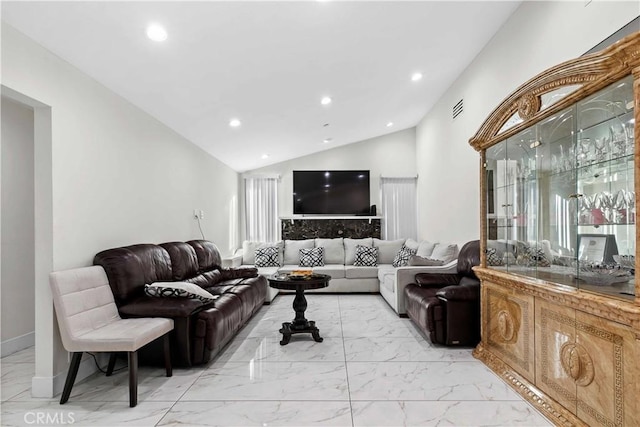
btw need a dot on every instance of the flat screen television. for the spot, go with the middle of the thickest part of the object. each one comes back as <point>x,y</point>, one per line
<point>331,192</point>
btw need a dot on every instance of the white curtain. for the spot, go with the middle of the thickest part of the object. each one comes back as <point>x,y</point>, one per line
<point>261,208</point>
<point>399,208</point>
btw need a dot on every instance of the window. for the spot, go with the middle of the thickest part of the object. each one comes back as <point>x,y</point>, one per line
<point>261,208</point>
<point>399,208</point>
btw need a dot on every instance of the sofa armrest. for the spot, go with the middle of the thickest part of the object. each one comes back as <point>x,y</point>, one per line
<point>436,280</point>
<point>170,307</point>
<point>464,292</point>
<point>233,261</point>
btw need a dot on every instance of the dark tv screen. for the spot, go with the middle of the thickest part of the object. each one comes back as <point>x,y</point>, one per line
<point>331,192</point>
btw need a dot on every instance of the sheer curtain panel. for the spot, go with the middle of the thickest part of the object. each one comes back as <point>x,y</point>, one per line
<point>399,208</point>
<point>261,208</point>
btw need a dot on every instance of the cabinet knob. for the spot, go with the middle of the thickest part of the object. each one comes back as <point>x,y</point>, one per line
<point>575,196</point>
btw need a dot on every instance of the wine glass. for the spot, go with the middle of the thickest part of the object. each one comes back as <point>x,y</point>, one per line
<point>601,145</point>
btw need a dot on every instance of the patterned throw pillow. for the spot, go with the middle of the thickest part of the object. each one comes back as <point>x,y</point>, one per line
<point>403,255</point>
<point>366,256</point>
<point>267,257</point>
<point>535,257</point>
<point>493,258</point>
<point>178,289</point>
<point>312,257</point>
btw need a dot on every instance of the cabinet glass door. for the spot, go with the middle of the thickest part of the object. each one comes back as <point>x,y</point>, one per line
<point>561,198</point>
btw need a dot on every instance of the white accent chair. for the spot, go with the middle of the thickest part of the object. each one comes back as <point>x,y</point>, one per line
<point>89,322</point>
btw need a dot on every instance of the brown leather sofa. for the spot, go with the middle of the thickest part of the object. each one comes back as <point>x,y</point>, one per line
<point>201,329</point>
<point>446,307</point>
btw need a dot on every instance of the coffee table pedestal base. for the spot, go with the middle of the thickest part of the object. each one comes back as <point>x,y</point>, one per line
<point>290,328</point>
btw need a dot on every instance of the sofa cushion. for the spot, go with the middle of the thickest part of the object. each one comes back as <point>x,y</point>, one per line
<point>402,257</point>
<point>333,250</point>
<point>249,251</point>
<point>313,257</point>
<point>387,277</point>
<point>336,271</point>
<point>184,262</point>
<point>366,256</point>
<point>350,248</point>
<point>267,256</point>
<point>292,250</point>
<point>446,252</point>
<point>357,272</point>
<point>178,289</point>
<point>207,253</point>
<point>387,249</point>
<point>425,249</point>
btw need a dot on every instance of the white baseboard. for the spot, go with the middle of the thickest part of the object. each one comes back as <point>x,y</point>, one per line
<point>14,345</point>
<point>52,386</point>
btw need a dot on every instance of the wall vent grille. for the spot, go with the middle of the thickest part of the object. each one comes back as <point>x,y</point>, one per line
<point>458,108</point>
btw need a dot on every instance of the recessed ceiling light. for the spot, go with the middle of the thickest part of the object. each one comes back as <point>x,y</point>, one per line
<point>327,140</point>
<point>325,100</point>
<point>389,124</point>
<point>234,123</point>
<point>265,156</point>
<point>416,77</point>
<point>156,32</point>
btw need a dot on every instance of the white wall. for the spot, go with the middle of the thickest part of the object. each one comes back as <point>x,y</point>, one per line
<point>388,155</point>
<point>118,176</point>
<point>536,37</point>
<point>18,245</point>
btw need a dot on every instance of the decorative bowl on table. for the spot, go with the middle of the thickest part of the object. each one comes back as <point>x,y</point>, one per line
<point>603,275</point>
<point>300,274</point>
<point>625,261</point>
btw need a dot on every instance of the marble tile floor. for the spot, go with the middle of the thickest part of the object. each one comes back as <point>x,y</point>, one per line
<point>373,369</point>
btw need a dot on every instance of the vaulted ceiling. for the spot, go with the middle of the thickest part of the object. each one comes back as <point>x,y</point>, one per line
<point>269,64</point>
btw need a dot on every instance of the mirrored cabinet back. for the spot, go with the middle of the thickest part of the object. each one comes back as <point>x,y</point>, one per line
<point>560,305</point>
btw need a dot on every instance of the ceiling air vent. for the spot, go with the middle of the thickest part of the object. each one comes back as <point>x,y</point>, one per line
<point>458,108</point>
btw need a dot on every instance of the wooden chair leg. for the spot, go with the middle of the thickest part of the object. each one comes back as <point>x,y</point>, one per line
<point>71,376</point>
<point>133,378</point>
<point>112,363</point>
<point>167,356</point>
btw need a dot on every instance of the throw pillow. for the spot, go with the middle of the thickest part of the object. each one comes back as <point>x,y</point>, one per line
<point>493,258</point>
<point>402,257</point>
<point>312,257</point>
<point>535,257</point>
<point>292,250</point>
<point>445,252</point>
<point>350,246</point>
<point>178,289</point>
<point>267,256</point>
<point>366,256</point>
<point>422,261</point>
<point>425,248</point>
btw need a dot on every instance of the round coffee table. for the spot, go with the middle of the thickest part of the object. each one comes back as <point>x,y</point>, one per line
<point>299,324</point>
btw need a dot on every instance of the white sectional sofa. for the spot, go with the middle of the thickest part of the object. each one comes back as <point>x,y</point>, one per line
<point>339,258</point>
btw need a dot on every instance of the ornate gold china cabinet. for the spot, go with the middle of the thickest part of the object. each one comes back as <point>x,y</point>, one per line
<point>559,177</point>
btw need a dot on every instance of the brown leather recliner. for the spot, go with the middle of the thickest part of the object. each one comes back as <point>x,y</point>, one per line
<point>200,330</point>
<point>446,307</point>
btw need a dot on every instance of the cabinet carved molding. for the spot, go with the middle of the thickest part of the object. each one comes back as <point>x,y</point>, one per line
<point>592,72</point>
<point>527,389</point>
